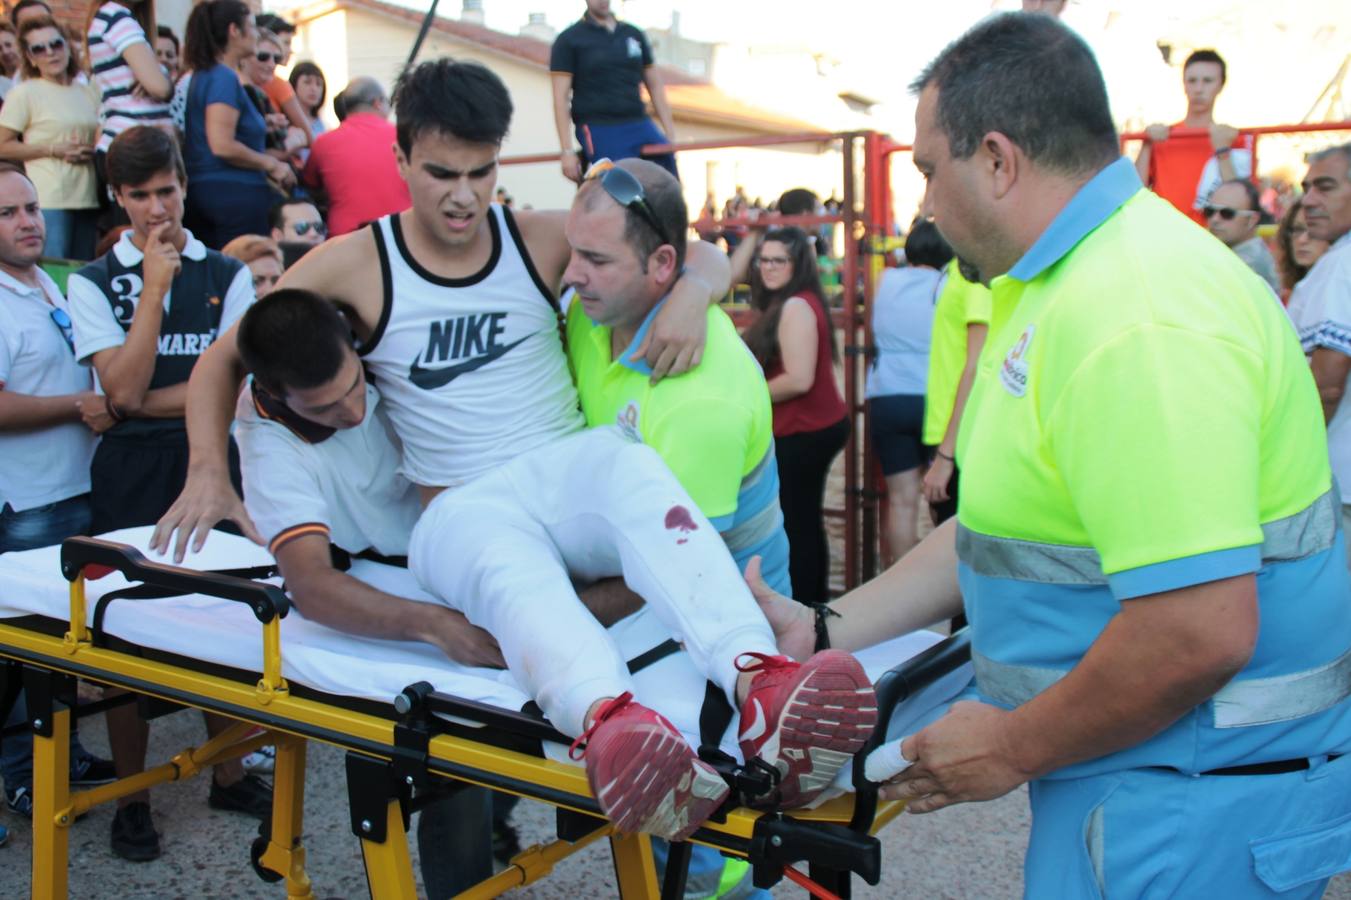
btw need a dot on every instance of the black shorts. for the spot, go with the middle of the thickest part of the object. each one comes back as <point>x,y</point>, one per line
<point>135,479</point>
<point>897,422</point>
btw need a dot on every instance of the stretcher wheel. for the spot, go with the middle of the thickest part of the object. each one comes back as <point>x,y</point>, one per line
<point>256,851</point>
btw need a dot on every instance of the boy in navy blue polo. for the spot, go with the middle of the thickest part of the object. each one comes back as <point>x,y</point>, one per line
<point>142,314</point>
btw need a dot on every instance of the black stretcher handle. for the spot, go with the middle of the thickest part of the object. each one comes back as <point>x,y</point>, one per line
<point>893,688</point>
<point>267,601</point>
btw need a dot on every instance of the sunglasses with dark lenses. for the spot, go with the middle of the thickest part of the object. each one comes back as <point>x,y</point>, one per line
<point>270,57</point>
<point>51,46</point>
<point>1227,213</point>
<point>303,228</point>
<point>627,191</point>
<point>62,320</point>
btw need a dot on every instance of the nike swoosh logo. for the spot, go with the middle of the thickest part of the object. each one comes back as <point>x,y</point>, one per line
<point>757,726</point>
<point>431,379</point>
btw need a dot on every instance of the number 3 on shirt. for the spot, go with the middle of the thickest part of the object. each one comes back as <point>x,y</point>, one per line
<point>126,293</point>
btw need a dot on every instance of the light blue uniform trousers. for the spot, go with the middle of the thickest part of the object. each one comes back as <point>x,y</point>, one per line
<point>1156,833</point>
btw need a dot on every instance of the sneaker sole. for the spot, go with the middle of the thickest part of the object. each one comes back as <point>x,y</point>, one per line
<point>658,786</point>
<point>828,718</point>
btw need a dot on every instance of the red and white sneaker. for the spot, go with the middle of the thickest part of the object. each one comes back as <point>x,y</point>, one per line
<point>805,719</point>
<point>644,773</point>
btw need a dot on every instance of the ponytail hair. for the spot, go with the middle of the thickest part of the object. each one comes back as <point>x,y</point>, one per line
<point>208,31</point>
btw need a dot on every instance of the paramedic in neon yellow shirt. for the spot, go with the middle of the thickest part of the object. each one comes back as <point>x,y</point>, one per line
<point>1148,541</point>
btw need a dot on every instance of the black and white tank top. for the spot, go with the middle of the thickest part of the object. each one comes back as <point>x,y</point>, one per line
<point>472,370</point>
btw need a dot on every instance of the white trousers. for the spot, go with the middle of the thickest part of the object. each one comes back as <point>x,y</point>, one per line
<point>501,548</point>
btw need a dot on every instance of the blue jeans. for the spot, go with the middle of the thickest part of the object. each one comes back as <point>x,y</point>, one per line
<point>41,526</point>
<point>71,233</point>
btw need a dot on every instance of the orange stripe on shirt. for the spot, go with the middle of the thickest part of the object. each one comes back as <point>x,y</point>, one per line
<point>295,531</point>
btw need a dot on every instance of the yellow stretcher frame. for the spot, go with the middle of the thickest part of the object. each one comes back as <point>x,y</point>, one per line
<point>380,770</point>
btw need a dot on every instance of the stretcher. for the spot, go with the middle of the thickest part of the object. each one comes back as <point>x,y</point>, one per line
<point>410,720</point>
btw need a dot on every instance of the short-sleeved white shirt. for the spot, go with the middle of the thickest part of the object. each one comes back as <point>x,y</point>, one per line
<point>96,325</point>
<point>45,465</point>
<point>347,486</point>
<point>1320,307</point>
<point>903,313</point>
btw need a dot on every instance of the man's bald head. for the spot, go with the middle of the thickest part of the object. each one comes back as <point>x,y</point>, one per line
<point>364,94</point>
<point>662,191</point>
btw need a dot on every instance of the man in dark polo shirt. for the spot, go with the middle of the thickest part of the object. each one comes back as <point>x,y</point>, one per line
<point>597,64</point>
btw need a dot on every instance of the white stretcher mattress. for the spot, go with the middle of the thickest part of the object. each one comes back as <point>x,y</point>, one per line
<point>226,633</point>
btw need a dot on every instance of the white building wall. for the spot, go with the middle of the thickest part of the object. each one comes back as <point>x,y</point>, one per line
<point>348,43</point>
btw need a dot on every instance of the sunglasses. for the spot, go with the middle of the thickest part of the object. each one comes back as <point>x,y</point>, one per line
<point>62,320</point>
<point>1227,213</point>
<point>627,191</point>
<point>270,57</point>
<point>51,46</point>
<point>303,228</point>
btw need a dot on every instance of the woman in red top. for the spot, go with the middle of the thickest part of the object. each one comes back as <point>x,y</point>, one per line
<point>794,342</point>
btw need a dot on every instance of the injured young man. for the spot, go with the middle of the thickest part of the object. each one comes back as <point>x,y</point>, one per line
<point>321,463</point>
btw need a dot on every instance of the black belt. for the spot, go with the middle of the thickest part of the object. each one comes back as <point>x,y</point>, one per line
<point>1279,767</point>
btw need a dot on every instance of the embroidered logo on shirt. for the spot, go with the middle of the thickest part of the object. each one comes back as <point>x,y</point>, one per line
<point>627,420</point>
<point>635,48</point>
<point>1013,373</point>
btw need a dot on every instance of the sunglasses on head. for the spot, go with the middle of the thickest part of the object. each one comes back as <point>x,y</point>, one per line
<point>269,57</point>
<point>62,320</point>
<point>303,228</point>
<point>1227,213</point>
<point>627,191</point>
<point>51,46</point>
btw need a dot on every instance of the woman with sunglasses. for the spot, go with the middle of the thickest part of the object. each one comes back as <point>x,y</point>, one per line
<point>48,123</point>
<point>134,88</point>
<point>795,344</point>
<point>1298,251</point>
<point>225,136</point>
<point>288,127</point>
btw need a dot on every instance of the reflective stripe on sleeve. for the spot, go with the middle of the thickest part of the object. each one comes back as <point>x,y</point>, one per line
<point>1309,531</point>
<point>1252,701</point>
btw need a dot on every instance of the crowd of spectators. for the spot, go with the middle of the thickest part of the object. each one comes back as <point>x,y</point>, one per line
<point>100,135</point>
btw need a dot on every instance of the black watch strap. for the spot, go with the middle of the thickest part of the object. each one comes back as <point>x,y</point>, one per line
<point>823,612</point>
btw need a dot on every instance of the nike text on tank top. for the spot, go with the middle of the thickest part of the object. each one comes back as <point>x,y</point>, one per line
<point>472,369</point>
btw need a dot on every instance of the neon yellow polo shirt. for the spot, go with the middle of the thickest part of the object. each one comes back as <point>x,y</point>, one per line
<point>1142,422</point>
<point>960,304</point>
<point>713,426</point>
<point>1142,394</point>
